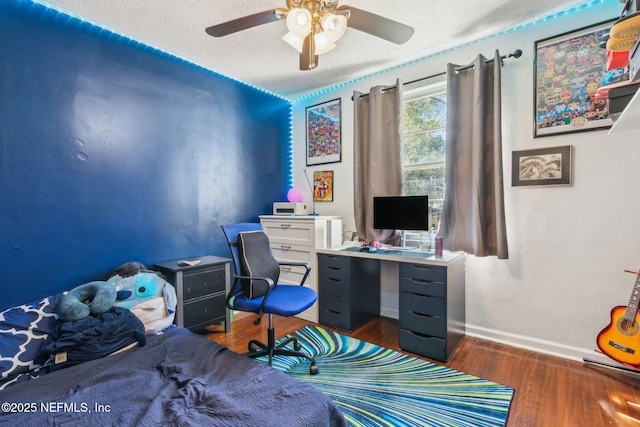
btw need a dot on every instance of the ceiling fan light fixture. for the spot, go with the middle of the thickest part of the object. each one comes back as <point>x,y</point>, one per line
<point>316,25</point>
<point>293,41</point>
<point>323,43</point>
<point>299,22</point>
<point>334,25</point>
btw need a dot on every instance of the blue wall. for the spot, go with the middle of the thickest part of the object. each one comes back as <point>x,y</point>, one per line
<point>111,151</point>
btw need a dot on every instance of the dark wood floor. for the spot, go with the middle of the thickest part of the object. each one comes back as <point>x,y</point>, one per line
<point>549,391</point>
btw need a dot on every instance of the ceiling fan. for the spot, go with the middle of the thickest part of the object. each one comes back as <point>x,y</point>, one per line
<point>315,25</point>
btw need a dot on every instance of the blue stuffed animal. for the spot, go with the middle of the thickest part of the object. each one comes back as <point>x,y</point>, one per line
<point>146,294</point>
<point>151,298</point>
<point>89,298</point>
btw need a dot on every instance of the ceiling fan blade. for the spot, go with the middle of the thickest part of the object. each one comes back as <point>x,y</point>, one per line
<point>243,23</point>
<point>377,25</point>
<point>308,58</point>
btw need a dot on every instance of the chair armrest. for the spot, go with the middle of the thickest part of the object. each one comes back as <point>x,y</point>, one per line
<point>296,263</point>
<point>306,265</point>
<point>270,283</point>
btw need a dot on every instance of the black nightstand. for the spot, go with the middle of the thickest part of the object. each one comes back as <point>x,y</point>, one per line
<point>201,290</point>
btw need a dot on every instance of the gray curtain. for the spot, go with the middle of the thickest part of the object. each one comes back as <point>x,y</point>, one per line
<point>377,157</point>
<point>473,218</point>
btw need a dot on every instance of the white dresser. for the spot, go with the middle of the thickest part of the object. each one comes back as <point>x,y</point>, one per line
<point>296,238</point>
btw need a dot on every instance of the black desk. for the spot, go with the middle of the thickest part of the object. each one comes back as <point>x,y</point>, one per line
<point>431,289</point>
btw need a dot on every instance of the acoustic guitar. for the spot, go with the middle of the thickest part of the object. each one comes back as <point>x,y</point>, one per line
<point>620,340</point>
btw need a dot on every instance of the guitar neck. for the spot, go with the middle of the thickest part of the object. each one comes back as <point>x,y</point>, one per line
<point>632,307</point>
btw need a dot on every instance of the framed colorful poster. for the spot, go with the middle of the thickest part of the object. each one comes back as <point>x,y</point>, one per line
<point>569,68</point>
<point>541,166</point>
<point>323,186</point>
<point>324,142</point>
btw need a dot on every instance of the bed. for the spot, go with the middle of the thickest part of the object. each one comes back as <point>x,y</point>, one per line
<point>176,378</point>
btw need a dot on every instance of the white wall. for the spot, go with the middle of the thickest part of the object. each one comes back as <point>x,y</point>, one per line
<point>568,245</point>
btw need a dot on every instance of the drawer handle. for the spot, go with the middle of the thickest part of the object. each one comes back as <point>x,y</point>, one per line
<point>334,296</point>
<point>333,268</point>
<point>427,296</point>
<point>418,334</point>
<point>422,267</point>
<point>423,281</point>
<point>332,279</point>
<point>285,247</point>
<point>285,225</point>
<point>415,295</point>
<point>423,315</point>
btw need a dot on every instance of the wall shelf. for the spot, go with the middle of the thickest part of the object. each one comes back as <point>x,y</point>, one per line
<point>629,120</point>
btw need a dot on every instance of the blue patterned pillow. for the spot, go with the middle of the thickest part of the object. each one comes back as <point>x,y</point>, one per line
<point>23,330</point>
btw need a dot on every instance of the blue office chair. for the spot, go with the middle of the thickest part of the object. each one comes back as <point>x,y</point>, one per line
<point>256,289</point>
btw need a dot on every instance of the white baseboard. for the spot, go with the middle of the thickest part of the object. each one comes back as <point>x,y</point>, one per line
<point>390,313</point>
<point>538,345</point>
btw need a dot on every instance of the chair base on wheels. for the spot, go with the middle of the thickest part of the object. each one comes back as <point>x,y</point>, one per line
<point>258,349</point>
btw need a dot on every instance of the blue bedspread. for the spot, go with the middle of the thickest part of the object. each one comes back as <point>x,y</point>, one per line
<point>93,337</point>
<point>177,379</point>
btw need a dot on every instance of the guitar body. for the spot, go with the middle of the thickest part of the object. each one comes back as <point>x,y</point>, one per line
<point>621,339</point>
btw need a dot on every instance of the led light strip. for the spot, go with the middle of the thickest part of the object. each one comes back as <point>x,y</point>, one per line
<point>330,88</point>
<point>565,12</point>
<point>177,58</point>
<point>501,33</point>
<point>290,154</point>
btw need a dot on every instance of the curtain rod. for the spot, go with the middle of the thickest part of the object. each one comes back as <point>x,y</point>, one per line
<point>516,54</point>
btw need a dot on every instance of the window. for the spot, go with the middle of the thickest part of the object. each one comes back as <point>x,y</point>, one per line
<point>425,119</point>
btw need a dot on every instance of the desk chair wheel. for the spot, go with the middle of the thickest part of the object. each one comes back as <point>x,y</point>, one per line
<point>313,369</point>
<point>297,346</point>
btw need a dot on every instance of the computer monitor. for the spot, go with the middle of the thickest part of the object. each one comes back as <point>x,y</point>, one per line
<point>401,213</point>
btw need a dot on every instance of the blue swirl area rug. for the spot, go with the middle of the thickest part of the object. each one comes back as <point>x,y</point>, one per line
<point>376,386</point>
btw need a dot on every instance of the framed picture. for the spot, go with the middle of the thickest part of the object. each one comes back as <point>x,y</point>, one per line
<point>324,142</point>
<point>323,186</point>
<point>568,70</point>
<point>541,166</point>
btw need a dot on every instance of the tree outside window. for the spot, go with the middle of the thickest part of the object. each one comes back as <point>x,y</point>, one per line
<point>425,120</point>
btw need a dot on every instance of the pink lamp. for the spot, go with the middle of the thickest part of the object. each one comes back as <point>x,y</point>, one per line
<point>294,195</point>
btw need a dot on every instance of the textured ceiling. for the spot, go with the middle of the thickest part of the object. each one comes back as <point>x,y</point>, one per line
<point>260,57</point>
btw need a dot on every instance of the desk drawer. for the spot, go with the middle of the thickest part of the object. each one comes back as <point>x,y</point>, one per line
<point>423,323</point>
<point>423,345</point>
<point>202,282</point>
<point>334,287</point>
<point>421,287</point>
<point>204,311</point>
<point>328,272</point>
<point>294,232</point>
<point>333,262</point>
<point>422,304</point>
<point>334,303</point>
<point>424,272</point>
<point>335,319</point>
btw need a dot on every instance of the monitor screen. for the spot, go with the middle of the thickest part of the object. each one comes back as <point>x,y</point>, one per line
<point>401,213</point>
